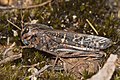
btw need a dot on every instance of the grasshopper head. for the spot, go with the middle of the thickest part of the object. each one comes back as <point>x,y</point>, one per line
<point>27,34</point>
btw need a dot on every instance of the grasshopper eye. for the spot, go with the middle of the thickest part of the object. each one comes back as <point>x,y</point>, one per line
<point>26,30</point>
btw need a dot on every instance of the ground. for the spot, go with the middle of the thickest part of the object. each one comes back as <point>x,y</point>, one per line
<point>68,15</point>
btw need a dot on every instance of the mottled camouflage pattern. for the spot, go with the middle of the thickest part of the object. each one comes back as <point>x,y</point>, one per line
<point>47,39</point>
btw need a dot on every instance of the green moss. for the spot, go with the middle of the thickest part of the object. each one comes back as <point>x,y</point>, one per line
<point>11,72</point>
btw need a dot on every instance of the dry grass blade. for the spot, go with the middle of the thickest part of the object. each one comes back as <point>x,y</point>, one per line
<point>11,58</point>
<point>5,52</point>
<point>92,26</point>
<point>13,24</point>
<point>29,7</point>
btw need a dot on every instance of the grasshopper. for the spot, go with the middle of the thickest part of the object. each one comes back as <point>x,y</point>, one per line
<point>63,43</point>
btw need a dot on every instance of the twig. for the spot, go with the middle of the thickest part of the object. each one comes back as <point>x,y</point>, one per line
<point>13,24</point>
<point>5,52</point>
<point>8,40</point>
<point>29,7</point>
<point>31,65</point>
<point>40,71</point>
<point>92,26</point>
<point>11,58</point>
